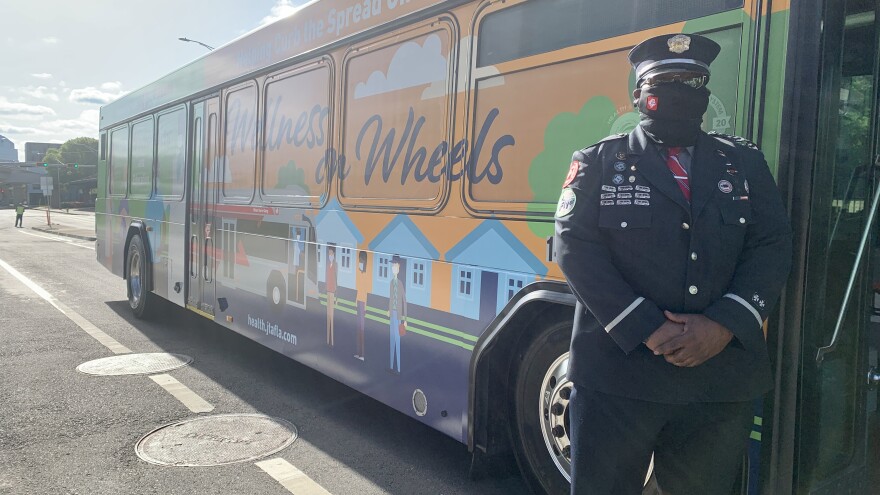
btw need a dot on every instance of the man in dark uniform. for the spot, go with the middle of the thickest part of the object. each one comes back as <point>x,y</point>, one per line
<point>676,244</point>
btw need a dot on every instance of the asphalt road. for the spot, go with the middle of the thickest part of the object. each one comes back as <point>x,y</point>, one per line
<point>65,432</point>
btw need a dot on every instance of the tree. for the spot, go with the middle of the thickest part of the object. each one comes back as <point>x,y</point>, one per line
<point>82,151</point>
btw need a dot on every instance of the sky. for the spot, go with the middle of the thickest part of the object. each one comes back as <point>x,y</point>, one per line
<point>60,61</point>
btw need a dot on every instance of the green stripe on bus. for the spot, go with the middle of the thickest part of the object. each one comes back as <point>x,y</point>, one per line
<point>759,420</point>
<point>756,435</point>
<point>432,326</point>
<point>410,328</point>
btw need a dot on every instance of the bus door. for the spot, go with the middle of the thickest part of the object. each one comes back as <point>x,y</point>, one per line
<point>836,439</point>
<point>202,200</point>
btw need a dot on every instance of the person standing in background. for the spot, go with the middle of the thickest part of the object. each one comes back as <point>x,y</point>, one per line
<point>19,215</point>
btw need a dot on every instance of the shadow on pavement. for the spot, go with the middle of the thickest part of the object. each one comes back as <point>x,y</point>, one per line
<point>377,442</point>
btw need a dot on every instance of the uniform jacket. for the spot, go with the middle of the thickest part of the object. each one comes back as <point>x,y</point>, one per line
<point>631,246</point>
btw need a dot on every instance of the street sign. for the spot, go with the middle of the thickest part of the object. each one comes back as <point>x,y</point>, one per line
<point>46,185</point>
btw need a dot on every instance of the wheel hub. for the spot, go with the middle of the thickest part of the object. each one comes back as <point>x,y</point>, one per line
<point>134,279</point>
<point>555,395</point>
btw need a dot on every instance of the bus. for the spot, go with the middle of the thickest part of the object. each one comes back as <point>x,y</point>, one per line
<point>368,187</point>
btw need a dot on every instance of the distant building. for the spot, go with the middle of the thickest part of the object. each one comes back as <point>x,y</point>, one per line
<point>34,152</point>
<point>8,153</point>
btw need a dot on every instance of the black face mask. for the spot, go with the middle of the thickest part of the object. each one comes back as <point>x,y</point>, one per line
<point>671,114</point>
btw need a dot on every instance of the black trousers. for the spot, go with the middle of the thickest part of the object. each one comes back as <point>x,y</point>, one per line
<point>18,219</point>
<point>697,447</point>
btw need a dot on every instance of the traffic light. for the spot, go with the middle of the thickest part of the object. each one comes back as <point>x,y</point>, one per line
<point>76,165</point>
<point>45,164</point>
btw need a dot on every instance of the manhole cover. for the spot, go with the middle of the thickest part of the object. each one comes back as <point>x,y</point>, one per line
<point>216,440</point>
<point>135,364</point>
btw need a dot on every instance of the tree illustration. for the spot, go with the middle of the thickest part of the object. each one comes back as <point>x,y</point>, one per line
<point>566,133</point>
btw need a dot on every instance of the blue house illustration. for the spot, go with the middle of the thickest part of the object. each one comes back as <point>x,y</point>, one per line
<point>332,226</point>
<point>402,237</point>
<point>490,265</point>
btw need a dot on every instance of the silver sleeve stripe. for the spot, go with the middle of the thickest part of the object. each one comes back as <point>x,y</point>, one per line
<point>747,305</point>
<point>629,309</point>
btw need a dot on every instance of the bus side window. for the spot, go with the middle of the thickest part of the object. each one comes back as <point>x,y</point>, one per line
<point>396,121</point>
<point>532,28</point>
<point>240,143</point>
<point>171,154</point>
<point>119,161</point>
<point>296,137</point>
<point>142,159</point>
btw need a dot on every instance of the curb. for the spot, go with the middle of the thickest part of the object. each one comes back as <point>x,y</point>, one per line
<point>65,234</point>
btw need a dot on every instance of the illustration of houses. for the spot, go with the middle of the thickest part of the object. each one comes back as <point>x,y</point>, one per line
<point>333,226</point>
<point>479,292</point>
<point>402,237</point>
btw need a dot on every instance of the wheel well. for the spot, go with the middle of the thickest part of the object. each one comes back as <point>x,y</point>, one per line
<point>496,372</point>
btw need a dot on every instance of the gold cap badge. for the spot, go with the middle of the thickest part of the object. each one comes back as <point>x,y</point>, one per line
<point>679,43</point>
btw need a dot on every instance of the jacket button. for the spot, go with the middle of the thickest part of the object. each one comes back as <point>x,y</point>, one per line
<point>693,289</point>
<point>694,256</point>
<point>742,220</point>
<point>623,225</point>
<point>685,226</point>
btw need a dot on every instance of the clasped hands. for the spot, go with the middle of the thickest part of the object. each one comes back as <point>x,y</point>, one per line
<point>688,340</point>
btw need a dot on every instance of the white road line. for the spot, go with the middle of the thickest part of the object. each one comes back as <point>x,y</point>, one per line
<point>291,478</point>
<point>180,391</point>
<point>81,322</point>
<point>58,239</point>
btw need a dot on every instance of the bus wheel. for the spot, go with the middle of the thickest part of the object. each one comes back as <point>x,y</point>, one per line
<point>541,397</point>
<point>541,410</point>
<point>276,290</point>
<point>140,299</point>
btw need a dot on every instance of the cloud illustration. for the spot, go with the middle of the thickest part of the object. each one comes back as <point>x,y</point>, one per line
<point>412,65</point>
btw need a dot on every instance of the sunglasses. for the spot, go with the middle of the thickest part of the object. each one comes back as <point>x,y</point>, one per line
<point>692,79</point>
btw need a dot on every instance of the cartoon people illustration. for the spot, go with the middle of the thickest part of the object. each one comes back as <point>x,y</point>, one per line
<point>331,290</point>
<point>362,281</point>
<point>396,312</point>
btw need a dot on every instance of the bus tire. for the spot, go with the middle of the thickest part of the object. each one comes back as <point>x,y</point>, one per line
<point>544,470</point>
<point>541,393</point>
<point>276,291</point>
<point>141,301</point>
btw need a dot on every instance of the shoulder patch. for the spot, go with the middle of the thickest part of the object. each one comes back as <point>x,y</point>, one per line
<point>567,200</point>
<point>734,140</point>
<point>572,173</point>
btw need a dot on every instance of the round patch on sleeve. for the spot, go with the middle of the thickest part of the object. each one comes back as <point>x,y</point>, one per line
<point>572,173</point>
<point>566,202</point>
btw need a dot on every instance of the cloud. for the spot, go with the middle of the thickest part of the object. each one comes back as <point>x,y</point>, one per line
<point>56,131</point>
<point>23,110</point>
<point>280,10</point>
<point>51,40</point>
<point>412,65</point>
<point>12,129</point>
<point>42,75</point>
<point>40,92</point>
<point>91,95</point>
<point>488,76</point>
<point>85,125</point>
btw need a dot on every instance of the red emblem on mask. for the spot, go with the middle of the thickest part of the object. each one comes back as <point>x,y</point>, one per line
<point>572,173</point>
<point>652,102</point>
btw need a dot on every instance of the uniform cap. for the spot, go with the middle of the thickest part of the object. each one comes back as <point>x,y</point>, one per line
<point>673,51</point>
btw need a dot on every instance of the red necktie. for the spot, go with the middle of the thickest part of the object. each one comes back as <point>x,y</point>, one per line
<point>678,172</point>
